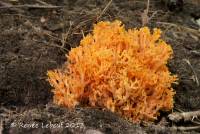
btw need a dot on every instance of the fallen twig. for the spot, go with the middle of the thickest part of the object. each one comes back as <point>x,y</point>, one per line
<point>173,129</point>
<point>4,4</point>
<point>188,128</point>
<point>195,52</point>
<point>31,6</point>
<point>186,116</point>
<point>186,29</point>
<point>196,122</point>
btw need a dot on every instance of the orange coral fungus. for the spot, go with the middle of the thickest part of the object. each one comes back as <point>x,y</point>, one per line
<point>123,71</point>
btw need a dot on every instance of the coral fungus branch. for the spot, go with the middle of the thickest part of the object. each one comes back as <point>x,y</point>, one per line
<point>122,70</point>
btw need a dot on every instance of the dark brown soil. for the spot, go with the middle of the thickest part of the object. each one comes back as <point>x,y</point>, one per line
<point>31,42</point>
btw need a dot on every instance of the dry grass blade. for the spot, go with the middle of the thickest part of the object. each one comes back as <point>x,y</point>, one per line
<point>65,35</point>
<point>44,3</point>
<point>144,15</point>
<point>1,126</point>
<point>104,10</point>
<point>40,31</point>
<point>195,75</point>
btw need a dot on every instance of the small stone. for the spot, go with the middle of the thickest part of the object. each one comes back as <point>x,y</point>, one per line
<point>92,131</point>
<point>42,19</point>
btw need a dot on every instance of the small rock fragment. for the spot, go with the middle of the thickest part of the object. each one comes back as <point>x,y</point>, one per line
<point>92,131</point>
